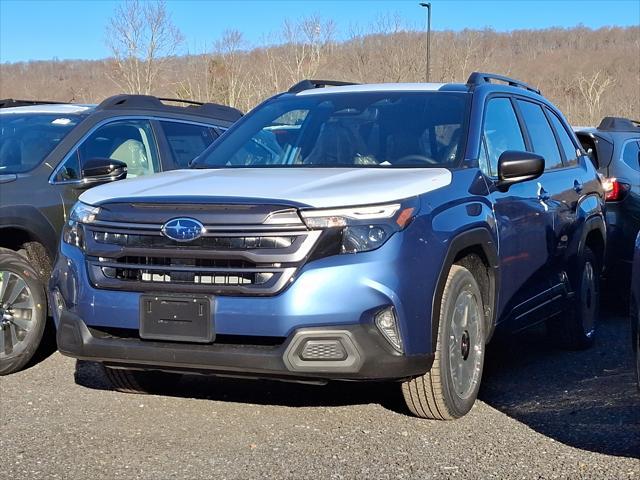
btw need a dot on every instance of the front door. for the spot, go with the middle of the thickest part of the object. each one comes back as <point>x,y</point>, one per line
<point>524,221</point>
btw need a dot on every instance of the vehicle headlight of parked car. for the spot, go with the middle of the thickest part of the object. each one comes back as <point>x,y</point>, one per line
<point>72,233</point>
<point>359,229</point>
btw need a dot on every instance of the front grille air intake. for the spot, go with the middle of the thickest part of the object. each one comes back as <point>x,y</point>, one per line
<point>230,258</point>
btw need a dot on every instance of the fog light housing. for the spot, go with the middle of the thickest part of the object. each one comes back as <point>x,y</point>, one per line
<point>387,323</point>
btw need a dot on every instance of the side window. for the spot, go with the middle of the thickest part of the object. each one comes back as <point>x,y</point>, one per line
<point>187,140</point>
<point>501,131</point>
<point>542,138</point>
<point>631,155</point>
<point>130,141</point>
<point>565,140</point>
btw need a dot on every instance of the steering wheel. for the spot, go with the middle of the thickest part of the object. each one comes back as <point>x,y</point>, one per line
<point>415,158</point>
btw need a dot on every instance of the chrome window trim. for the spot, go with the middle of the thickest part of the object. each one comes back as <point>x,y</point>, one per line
<point>106,121</point>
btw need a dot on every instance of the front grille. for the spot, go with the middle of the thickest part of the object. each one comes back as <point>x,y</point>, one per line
<point>229,259</point>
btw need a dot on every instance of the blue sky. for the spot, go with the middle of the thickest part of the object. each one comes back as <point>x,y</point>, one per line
<point>46,29</point>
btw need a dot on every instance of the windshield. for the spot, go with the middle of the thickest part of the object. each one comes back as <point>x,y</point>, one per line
<point>27,138</point>
<point>355,129</point>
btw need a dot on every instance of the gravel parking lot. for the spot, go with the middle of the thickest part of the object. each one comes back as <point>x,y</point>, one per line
<point>544,413</point>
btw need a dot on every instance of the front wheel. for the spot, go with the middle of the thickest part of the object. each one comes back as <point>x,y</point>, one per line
<point>23,311</point>
<point>450,388</point>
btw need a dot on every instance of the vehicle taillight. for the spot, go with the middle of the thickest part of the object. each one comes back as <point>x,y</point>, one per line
<point>614,189</point>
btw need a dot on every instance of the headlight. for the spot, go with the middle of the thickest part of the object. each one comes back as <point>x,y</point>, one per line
<point>73,233</point>
<point>359,229</point>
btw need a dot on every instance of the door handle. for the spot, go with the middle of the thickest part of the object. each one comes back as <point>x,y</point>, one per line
<point>577,186</point>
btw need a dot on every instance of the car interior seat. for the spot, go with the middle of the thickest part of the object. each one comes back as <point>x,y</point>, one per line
<point>336,144</point>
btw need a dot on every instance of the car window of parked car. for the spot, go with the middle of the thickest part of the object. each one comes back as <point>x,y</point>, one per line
<point>569,148</point>
<point>27,138</point>
<point>542,138</point>
<point>631,154</point>
<point>130,141</point>
<point>501,132</point>
<point>187,140</point>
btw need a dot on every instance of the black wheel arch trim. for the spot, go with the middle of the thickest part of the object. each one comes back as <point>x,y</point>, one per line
<point>595,222</point>
<point>477,237</point>
<point>30,220</point>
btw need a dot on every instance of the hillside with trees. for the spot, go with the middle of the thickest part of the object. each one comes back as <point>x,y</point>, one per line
<point>587,73</point>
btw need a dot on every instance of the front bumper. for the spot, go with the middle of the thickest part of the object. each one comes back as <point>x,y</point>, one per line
<point>367,357</point>
<point>340,294</point>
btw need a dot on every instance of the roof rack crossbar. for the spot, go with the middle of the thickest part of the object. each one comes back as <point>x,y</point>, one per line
<point>12,102</point>
<point>310,84</point>
<point>478,78</point>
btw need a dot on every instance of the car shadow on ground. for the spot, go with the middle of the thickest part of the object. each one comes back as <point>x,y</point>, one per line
<point>588,400</point>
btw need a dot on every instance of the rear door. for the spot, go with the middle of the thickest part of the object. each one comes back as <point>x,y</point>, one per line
<point>562,183</point>
<point>522,215</point>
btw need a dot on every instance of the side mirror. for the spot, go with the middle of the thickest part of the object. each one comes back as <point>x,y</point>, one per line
<point>103,170</point>
<point>515,167</point>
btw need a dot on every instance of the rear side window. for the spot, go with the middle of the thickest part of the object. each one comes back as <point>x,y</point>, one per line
<point>565,140</point>
<point>501,132</point>
<point>542,138</point>
<point>187,140</point>
<point>631,154</point>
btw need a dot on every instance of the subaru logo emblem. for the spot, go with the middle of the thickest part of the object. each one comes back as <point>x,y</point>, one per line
<point>183,229</point>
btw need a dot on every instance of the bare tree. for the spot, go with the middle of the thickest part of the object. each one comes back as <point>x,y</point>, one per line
<point>142,38</point>
<point>591,88</point>
<point>305,43</point>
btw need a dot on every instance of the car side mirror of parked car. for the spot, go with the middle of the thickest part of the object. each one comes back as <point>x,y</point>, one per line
<point>515,167</point>
<point>103,170</point>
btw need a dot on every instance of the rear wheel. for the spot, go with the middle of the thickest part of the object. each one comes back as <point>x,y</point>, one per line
<point>576,330</point>
<point>450,388</point>
<point>23,311</point>
<point>141,381</point>
<point>635,335</point>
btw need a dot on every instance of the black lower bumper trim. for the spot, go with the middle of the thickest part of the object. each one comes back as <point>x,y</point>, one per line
<point>378,362</point>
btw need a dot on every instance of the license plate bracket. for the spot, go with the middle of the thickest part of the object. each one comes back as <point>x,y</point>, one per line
<point>177,318</point>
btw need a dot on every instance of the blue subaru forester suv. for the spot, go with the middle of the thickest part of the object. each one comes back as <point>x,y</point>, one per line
<point>343,232</point>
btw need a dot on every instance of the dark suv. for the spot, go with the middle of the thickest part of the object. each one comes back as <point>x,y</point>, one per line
<point>49,154</point>
<point>614,148</point>
<point>349,232</point>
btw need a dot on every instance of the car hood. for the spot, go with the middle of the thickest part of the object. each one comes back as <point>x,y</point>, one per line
<point>304,187</point>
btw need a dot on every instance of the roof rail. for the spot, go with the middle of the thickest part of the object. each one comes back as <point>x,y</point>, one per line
<point>180,100</point>
<point>149,102</point>
<point>309,84</point>
<point>619,124</point>
<point>10,102</point>
<point>478,78</point>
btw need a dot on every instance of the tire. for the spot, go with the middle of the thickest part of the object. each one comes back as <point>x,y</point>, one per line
<point>443,393</point>
<point>141,381</point>
<point>23,311</point>
<point>576,329</point>
<point>635,336</point>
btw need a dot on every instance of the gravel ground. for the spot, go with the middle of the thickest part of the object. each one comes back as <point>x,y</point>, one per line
<point>543,413</point>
